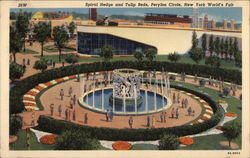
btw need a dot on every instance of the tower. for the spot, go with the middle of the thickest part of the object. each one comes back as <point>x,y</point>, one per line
<point>213,23</point>
<point>224,24</point>
<point>93,14</point>
<point>232,24</point>
<point>205,22</point>
<point>195,18</point>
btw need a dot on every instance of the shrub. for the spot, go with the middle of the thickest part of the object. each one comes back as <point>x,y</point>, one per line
<point>40,65</point>
<point>169,142</point>
<point>71,59</point>
<point>15,125</point>
<point>76,140</point>
<point>174,57</point>
<point>16,71</point>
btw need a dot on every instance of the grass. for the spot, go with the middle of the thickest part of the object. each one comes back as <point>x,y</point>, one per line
<point>144,147</point>
<point>28,51</point>
<point>210,142</point>
<point>20,144</point>
<point>184,59</point>
<point>52,49</point>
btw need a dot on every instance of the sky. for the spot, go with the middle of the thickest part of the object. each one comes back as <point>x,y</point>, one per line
<point>216,13</point>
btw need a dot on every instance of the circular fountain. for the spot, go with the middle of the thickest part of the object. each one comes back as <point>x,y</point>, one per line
<point>126,92</point>
<point>126,87</point>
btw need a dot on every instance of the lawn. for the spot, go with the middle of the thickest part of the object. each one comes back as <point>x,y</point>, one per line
<point>20,144</point>
<point>52,49</point>
<point>28,51</point>
<point>184,59</point>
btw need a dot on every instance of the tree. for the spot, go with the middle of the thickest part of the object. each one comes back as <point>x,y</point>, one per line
<point>226,47</point>
<point>217,45</point>
<point>22,27</point>
<point>213,61</point>
<point>174,57</point>
<point>195,54</point>
<point>15,42</point>
<point>232,131</point>
<point>238,59</point>
<point>194,40</point>
<point>16,71</point>
<point>107,52</point>
<point>60,38</point>
<point>150,54</point>
<point>40,65</point>
<point>204,42</point>
<point>222,44</point>
<point>71,28</point>
<point>15,124</point>
<point>211,44</point>
<point>235,46</point>
<point>138,55</point>
<point>169,142</point>
<point>42,33</point>
<point>71,59</point>
<point>76,140</point>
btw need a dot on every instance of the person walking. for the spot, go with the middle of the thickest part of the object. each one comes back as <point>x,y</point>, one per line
<point>178,98</point>
<point>177,113</point>
<point>165,117</point>
<point>71,103</point>
<point>74,99</point>
<point>172,113</point>
<point>74,115</point>
<point>54,64</point>
<point>111,115</point>
<point>69,113</point>
<point>51,109</point>
<point>60,110</point>
<point>148,121</point>
<point>161,117</point>
<point>186,103</point>
<point>28,61</point>
<point>174,97</point>
<point>66,114</point>
<point>130,122</point>
<point>189,110</point>
<point>24,62</point>
<point>182,103</point>
<point>107,115</point>
<point>153,122</point>
<point>70,91</point>
<point>86,118</point>
<point>61,94</point>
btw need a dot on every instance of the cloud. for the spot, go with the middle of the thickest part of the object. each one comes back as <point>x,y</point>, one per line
<point>210,17</point>
<point>133,13</point>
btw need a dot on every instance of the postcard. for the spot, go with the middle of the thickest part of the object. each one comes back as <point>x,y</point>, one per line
<point>124,78</point>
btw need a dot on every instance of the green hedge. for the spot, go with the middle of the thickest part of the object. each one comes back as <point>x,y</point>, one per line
<point>17,92</point>
<point>49,124</point>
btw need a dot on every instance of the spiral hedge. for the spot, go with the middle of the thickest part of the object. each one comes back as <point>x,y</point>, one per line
<point>55,126</point>
<point>17,92</point>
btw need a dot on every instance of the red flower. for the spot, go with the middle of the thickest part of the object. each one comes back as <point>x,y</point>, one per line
<point>48,139</point>
<point>121,145</point>
<point>229,114</point>
<point>186,140</point>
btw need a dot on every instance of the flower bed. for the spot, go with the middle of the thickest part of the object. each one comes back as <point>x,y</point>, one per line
<point>121,145</point>
<point>48,139</point>
<point>222,102</point>
<point>186,140</point>
<point>229,114</point>
<point>221,128</point>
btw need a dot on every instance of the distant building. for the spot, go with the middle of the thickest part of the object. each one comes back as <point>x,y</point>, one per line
<point>200,24</point>
<point>232,27</point>
<point>168,19</point>
<point>195,18</point>
<point>213,23</point>
<point>224,24</point>
<point>93,14</point>
<point>205,22</point>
